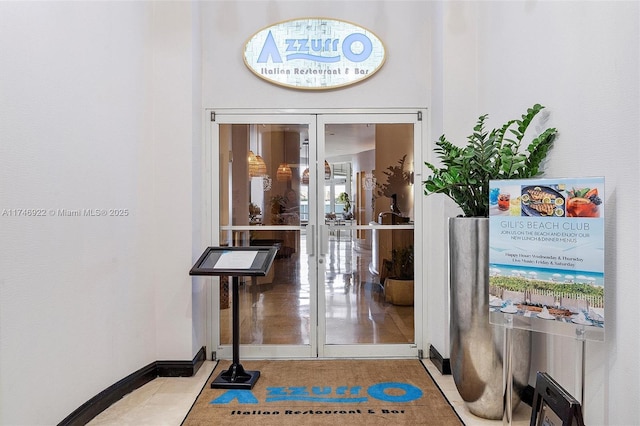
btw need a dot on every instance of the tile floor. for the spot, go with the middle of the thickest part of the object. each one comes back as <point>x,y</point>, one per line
<point>166,401</point>
<point>276,310</point>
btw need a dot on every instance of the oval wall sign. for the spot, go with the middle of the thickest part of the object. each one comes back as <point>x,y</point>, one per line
<point>314,53</point>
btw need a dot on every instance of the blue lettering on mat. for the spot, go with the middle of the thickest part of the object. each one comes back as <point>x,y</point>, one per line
<point>243,396</point>
<point>344,394</point>
<point>411,392</point>
<point>316,399</point>
<point>318,394</point>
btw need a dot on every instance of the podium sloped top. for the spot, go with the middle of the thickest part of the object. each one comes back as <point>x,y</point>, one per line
<point>235,261</point>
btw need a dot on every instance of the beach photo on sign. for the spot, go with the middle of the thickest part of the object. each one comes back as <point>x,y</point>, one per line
<point>549,294</point>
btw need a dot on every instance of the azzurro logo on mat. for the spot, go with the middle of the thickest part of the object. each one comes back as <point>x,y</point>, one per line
<point>396,392</point>
<point>314,53</point>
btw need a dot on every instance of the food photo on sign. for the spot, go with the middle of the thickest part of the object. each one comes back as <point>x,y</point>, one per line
<point>546,250</point>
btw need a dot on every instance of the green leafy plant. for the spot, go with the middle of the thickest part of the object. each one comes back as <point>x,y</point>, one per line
<point>400,266</point>
<point>498,154</point>
<point>344,199</point>
<point>254,212</point>
<point>397,178</point>
<point>278,204</point>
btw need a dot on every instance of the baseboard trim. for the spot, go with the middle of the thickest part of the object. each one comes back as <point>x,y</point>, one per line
<point>113,393</point>
<point>96,405</point>
<point>443,365</point>
<point>181,368</point>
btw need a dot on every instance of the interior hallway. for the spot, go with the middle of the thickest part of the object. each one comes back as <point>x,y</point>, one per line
<point>276,311</point>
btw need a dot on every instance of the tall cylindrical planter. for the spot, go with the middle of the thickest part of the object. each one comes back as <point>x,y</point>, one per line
<point>477,346</point>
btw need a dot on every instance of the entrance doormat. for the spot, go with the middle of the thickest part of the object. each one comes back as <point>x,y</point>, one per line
<point>325,392</point>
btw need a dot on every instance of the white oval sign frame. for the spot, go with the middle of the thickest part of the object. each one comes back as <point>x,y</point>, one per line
<point>314,53</point>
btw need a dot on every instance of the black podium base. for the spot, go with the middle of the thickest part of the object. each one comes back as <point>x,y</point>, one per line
<point>235,378</point>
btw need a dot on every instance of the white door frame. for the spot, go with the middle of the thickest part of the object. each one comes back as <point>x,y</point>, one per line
<point>315,119</point>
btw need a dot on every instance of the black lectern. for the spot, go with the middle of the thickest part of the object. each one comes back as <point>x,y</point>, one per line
<point>235,262</point>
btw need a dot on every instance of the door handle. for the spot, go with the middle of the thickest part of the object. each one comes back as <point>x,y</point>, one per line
<point>311,240</point>
<point>324,239</point>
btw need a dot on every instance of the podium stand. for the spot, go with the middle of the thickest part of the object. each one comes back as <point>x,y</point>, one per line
<point>235,262</point>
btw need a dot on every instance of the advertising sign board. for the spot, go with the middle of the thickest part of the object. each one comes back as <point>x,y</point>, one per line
<point>546,249</point>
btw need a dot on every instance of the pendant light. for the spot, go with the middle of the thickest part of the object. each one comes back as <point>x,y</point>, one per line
<point>257,166</point>
<point>284,171</point>
<point>253,164</point>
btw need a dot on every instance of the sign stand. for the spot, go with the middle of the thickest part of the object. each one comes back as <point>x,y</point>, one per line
<point>551,227</point>
<point>235,262</point>
<point>507,371</point>
<point>580,361</point>
<point>507,322</point>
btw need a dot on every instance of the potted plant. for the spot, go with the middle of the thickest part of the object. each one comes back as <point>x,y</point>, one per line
<point>278,204</point>
<point>398,283</point>
<point>344,199</point>
<point>255,214</point>
<point>466,171</point>
<point>397,185</point>
<point>475,347</point>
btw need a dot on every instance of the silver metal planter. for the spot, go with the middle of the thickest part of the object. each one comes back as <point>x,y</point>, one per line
<point>477,346</point>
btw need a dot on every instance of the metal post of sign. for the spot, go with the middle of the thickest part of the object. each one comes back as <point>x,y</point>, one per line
<point>507,368</point>
<point>580,361</point>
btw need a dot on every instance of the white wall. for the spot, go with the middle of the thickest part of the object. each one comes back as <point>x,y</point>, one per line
<point>402,81</point>
<point>96,112</point>
<point>580,59</point>
<point>100,108</point>
<point>175,64</point>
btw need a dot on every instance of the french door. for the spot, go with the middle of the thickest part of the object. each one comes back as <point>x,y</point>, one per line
<point>335,193</point>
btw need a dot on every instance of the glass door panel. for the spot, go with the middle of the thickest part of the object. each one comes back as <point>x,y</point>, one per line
<point>368,224</point>
<point>264,174</point>
<point>335,194</point>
